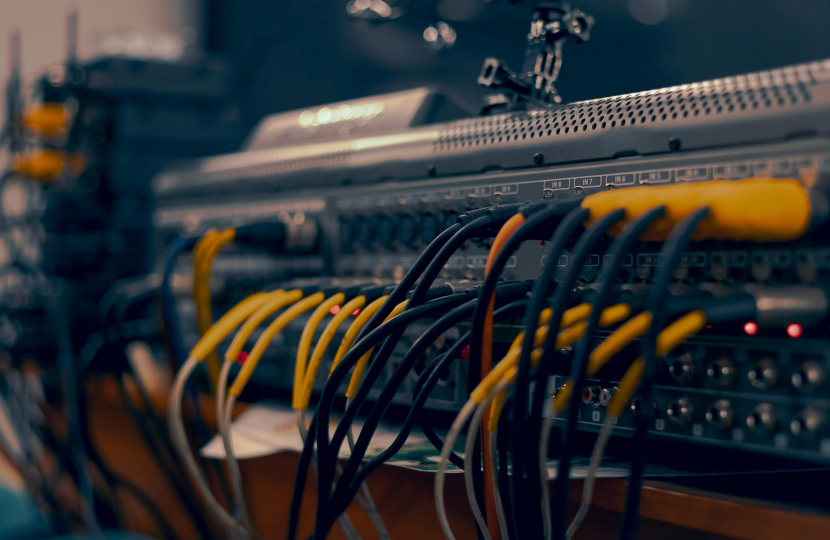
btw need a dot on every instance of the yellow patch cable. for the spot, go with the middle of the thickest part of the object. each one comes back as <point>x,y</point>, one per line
<point>355,328</point>
<point>322,344</point>
<point>205,251</point>
<point>305,343</point>
<point>265,339</point>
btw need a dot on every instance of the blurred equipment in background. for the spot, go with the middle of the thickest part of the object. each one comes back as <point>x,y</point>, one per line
<point>552,23</point>
<point>103,129</point>
<point>76,248</point>
<point>651,256</point>
<point>636,236</point>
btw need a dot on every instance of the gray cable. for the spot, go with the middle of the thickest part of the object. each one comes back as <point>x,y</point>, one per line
<point>591,478</point>
<point>240,510</point>
<point>179,439</point>
<point>472,435</point>
<point>449,442</point>
<point>223,420</point>
<point>494,472</point>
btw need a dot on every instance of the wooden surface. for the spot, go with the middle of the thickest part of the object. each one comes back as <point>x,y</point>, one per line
<point>405,498</point>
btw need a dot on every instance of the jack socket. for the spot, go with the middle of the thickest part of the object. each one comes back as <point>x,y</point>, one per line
<point>764,375</point>
<point>762,418</point>
<point>721,372</point>
<point>681,411</point>
<point>719,414</point>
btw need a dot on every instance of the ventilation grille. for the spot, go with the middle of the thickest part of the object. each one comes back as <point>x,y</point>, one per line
<point>778,88</point>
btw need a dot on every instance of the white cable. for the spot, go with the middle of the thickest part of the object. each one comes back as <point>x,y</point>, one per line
<point>179,439</point>
<point>345,523</point>
<point>472,435</point>
<point>224,416</point>
<point>240,511</point>
<point>366,502</point>
<point>591,478</point>
<point>457,426</point>
<point>494,473</point>
<point>544,437</point>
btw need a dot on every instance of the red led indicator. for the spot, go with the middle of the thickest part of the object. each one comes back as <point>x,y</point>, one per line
<point>355,312</point>
<point>241,357</point>
<point>334,310</point>
<point>794,330</point>
<point>751,328</point>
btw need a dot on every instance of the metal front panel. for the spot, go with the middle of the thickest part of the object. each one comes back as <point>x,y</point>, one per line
<point>406,187</point>
<point>761,107</point>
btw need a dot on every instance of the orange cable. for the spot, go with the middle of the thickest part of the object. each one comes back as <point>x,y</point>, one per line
<point>505,232</point>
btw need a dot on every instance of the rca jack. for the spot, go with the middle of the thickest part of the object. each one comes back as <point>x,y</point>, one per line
<point>605,395</point>
<point>590,394</point>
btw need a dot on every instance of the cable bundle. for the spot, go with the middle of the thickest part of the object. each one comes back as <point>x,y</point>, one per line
<point>560,320</point>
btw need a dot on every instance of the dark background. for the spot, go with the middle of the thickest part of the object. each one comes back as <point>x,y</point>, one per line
<point>318,54</point>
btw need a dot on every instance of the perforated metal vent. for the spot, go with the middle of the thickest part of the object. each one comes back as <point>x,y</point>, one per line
<point>738,95</point>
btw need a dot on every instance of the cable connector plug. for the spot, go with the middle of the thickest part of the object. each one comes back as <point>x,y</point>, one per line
<point>499,215</point>
<point>332,289</point>
<point>436,291</point>
<point>269,236</point>
<point>511,291</point>
<point>556,210</point>
<point>374,291</point>
<point>777,307</point>
<point>531,208</point>
<point>506,291</point>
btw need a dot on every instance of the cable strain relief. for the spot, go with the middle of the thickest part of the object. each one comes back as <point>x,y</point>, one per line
<point>468,217</point>
<point>531,208</point>
<point>780,306</point>
<point>545,230</point>
<point>585,293</point>
<point>330,291</point>
<point>511,291</point>
<point>372,292</point>
<point>308,290</point>
<point>350,292</point>
<point>499,215</point>
<point>302,237</point>
<point>318,285</point>
<point>473,292</point>
<point>738,307</point>
<point>819,209</point>
<point>270,236</point>
<point>189,242</point>
<point>635,301</point>
<point>436,291</point>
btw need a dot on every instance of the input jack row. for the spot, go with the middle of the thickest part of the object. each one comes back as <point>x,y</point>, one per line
<point>764,374</point>
<point>762,419</point>
<point>597,395</point>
